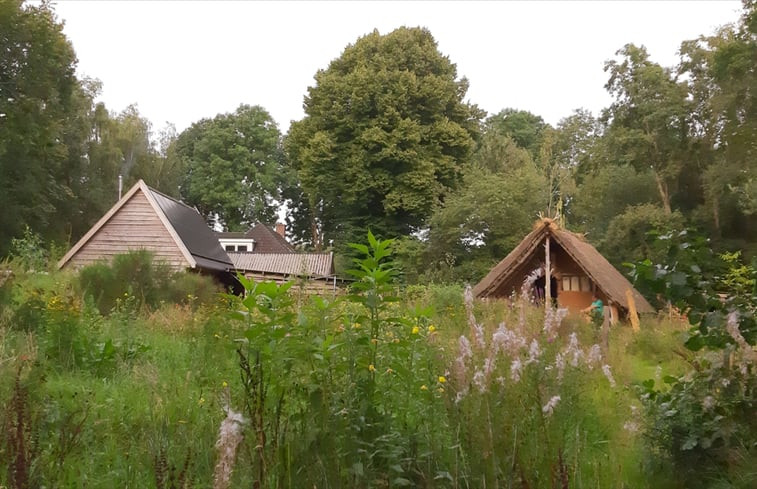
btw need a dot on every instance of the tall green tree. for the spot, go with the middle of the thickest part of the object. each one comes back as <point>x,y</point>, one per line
<point>525,128</point>
<point>385,136</point>
<point>722,82</point>
<point>233,166</point>
<point>486,218</point>
<point>648,122</point>
<point>606,193</point>
<point>37,102</point>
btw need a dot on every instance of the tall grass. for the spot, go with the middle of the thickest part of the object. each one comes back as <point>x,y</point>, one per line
<point>433,391</point>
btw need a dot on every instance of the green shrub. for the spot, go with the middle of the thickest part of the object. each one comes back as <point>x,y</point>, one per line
<point>29,251</point>
<point>134,281</point>
<point>191,288</point>
<point>142,276</point>
<point>96,281</point>
<point>703,421</point>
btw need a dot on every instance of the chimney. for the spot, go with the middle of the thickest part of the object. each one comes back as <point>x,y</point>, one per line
<point>281,229</point>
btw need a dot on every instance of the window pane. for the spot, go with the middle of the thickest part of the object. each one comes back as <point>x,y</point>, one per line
<point>229,247</point>
<point>575,284</point>
<point>585,284</point>
<point>242,248</point>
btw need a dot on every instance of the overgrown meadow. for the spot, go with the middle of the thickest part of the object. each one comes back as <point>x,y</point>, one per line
<point>109,381</point>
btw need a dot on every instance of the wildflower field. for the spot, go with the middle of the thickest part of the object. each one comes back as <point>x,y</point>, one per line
<point>384,386</point>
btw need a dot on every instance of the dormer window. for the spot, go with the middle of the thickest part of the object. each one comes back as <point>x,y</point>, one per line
<point>237,244</point>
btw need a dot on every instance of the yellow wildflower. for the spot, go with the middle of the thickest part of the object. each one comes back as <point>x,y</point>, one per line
<point>431,328</point>
<point>440,390</point>
<point>201,401</point>
<point>442,379</point>
<point>355,325</point>
<point>389,371</point>
<point>424,388</point>
<point>371,368</point>
<point>224,384</point>
<point>415,330</point>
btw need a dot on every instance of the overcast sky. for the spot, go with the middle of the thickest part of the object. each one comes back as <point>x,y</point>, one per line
<point>181,61</point>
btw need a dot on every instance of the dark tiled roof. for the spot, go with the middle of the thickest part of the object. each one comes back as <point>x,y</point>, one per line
<point>298,264</point>
<point>604,275</point>
<point>193,232</point>
<point>231,235</point>
<point>267,240</point>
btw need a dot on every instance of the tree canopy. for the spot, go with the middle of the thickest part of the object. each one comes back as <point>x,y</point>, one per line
<point>38,96</point>
<point>390,143</point>
<point>385,136</point>
<point>233,165</point>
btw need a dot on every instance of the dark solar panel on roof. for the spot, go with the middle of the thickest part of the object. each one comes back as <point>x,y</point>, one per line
<point>194,233</point>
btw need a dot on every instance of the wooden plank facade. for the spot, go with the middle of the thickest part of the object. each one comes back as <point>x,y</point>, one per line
<point>135,226</point>
<point>145,219</point>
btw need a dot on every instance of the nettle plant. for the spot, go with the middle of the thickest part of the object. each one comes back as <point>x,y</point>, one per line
<point>337,393</point>
<point>527,389</point>
<point>704,420</point>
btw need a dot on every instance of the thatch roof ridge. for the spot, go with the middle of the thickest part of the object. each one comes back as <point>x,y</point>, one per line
<point>498,273</point>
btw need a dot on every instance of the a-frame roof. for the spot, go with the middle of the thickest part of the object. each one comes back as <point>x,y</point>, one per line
<point>187,228</point>
<point>597,268</point>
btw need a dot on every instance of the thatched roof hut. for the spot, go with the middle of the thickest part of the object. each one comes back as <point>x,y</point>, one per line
<point>579,271</point>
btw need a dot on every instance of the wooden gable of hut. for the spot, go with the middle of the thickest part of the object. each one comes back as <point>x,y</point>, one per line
<point>145,219</point>
<point>579,271</point>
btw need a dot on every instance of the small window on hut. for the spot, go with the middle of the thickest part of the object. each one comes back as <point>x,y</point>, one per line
<point>576,283</point>
<point>229,247</point>
<point>585,284</point>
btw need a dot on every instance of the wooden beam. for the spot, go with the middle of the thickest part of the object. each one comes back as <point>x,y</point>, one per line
<point>547,277</point>
<point>632,314</point>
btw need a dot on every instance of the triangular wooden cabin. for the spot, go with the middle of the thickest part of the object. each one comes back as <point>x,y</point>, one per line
<point>579,271</point>
<point>145,219</point>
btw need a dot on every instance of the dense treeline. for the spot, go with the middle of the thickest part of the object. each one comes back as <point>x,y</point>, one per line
<point>390,142</point>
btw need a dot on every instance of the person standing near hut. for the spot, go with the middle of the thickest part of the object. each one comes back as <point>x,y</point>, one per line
<point>595,311</point>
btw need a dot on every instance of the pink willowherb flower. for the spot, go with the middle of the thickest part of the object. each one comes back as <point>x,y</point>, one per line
<point>489,365</point>
<point>560,365</point>
<point>552,320</point>
<point>507,341</point>
<point>534,352</point>
<point>594,358</point>
<point>529,281</point>
<point>608,374</point>
<point>465,351</point>
<point>461,362</point>
<point>573,351</point>
<point>479,380</point>
<point>708,403</point>
<point>516,368</point>
<point>229,437</point>
<point>549,408</point>
<point>477,330</point>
